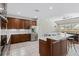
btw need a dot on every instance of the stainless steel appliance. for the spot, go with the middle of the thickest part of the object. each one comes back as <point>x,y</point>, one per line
<point>34,35</point>
<point>4,45</point>
<point>3,38</point>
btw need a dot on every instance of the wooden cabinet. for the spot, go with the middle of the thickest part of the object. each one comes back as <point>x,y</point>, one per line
<point>43,48</point>
<point>27,24</point>
<point>14,23</point>
<point>34,23</point>
<point>21,24</point>
<point>53,47</point>
<point>20,38</point>
<point>56,49</point>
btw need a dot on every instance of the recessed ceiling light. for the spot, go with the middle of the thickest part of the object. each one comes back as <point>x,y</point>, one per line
<point>37,10</point>
<point>36,17</point>
<point>50,8</point>
<point>18,13</point>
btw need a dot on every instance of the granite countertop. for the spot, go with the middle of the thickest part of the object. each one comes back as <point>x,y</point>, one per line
<point>61,36</point>
<point>14,31</point>
<point>10,32</point>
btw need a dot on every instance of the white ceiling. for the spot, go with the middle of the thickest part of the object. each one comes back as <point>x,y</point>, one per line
<point>28,9</point>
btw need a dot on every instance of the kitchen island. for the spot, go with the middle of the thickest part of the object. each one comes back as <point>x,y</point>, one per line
<point>53,45</point>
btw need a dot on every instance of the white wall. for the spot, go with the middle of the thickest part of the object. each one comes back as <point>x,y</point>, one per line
<point>46,26</point>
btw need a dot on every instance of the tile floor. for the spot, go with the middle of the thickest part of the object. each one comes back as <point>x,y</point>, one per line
<point>25,49</point>
<point>32,49</point>
<point>73,51</point>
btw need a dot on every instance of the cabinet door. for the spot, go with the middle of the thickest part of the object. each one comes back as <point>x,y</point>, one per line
<point>43,48</point>
<point>26,24</point>
<point>21,24</point>
<point>34,23</point>
<point>9,24</point>
<point>14,39</point>
<point>20,38</point>
<point>16,24</point>
<point>13,23</point>
<point>56,49</point>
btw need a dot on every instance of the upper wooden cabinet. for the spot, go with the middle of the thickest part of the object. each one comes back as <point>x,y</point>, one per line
<point>16,23</point>
<point>34,23</point>
<point>27,24</point>
<point>21,24</point>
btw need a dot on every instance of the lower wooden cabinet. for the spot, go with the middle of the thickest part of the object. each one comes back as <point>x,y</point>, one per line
<point>55,49</point>
<point>52,47</point>
<point>20,38</point>
<point>43,48</point>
